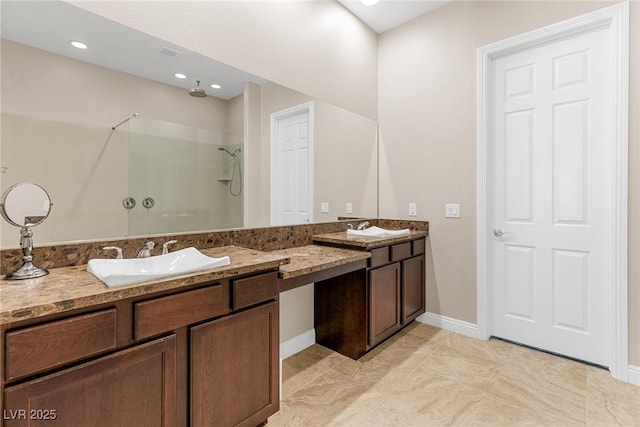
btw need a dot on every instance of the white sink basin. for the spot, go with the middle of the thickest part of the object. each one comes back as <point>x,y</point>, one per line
<point>118,272</point>
<point>378,232</point>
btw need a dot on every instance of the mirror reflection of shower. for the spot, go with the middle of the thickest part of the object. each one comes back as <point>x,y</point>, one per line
<point>236,174</point>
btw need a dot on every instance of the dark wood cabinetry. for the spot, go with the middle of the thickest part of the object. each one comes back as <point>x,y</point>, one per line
<point>356,312</point>
<point>49,345</point>
<point>132,387</point>
<point>234,369</point>
<point>384,303</point>
<point>206,355</point>
<point>413,288</point>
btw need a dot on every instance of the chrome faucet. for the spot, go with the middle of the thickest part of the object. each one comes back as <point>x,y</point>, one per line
<point>114,248</point>
<point>363,225</point>
<point>145,251</point>
<point>165,246</point>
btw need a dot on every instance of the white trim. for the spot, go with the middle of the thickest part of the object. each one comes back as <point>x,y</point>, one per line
<point>616,18</point>
<point>634,375</point>
<point>297,344</point>
<point>274,167</point>
<point>450,324</point>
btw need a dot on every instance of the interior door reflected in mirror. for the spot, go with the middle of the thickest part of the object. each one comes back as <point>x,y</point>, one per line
<point>26,205</point>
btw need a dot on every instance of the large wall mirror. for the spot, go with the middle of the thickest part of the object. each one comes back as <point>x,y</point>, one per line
<point>190,163</point>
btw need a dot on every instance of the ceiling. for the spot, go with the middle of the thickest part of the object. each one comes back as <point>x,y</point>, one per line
<point>51,24</point>
<point>387,14</point>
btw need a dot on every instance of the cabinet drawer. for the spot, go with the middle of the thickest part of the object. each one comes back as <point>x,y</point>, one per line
<point>418,246</point>
<point>379,256</point>
<point>49,345</point>
<point>175,311</point>
<point>253,290</point>
<point>400,251</point>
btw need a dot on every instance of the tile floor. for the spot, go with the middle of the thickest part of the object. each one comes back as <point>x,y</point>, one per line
<point>426,376</point>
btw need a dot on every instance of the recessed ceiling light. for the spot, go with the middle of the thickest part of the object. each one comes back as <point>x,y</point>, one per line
<point>180,75</point>
<point>78,45</point>
<point>368,2</point>
<point>216,86</point>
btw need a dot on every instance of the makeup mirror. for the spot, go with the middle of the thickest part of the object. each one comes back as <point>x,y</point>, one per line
<point>26,205</point>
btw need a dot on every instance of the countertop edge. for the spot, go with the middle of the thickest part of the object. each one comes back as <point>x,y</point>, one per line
<point>366,242</point>
<point>336,257</point>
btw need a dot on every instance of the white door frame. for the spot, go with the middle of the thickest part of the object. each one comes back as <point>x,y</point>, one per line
<point>275,117</point>
<point>616,18</point>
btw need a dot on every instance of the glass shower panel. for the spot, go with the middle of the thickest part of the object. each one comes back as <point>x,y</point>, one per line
<point>182,178</point>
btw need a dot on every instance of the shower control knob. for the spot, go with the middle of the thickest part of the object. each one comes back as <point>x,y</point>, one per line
<point>129,202</point>
<point>148,202</point>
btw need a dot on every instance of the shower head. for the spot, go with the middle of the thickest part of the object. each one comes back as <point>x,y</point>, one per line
<point>236,151</point>
<point>197,91</point>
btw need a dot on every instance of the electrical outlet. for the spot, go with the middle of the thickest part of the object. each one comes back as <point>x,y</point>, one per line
<point>413,209</point>
<point>324,207</point>
<point>452,210</point>
<point>349,208</point>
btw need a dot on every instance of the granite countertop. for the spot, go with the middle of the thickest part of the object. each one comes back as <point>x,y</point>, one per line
<point>69,288</point>
<point>312,258</point>
<point>366,242</point>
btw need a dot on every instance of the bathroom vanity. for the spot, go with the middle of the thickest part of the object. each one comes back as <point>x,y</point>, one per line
<point>357,311</point>
<point>144,354</point>
<point>200,349</point>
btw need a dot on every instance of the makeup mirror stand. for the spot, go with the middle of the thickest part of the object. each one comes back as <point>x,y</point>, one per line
<point>27,270</point>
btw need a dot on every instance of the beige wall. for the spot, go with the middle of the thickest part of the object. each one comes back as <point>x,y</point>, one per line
<point>315,47</point>
<point>235,109</point>
<point>296,312</point>
<point>253,136</point>
<point>427,115</point>
<point>56,131</point>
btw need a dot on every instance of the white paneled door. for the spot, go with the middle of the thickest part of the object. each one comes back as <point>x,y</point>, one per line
<point>292,166</point>
<point>551,192</point>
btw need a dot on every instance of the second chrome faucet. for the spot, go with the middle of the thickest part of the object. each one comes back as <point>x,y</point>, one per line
<point>145,251</point>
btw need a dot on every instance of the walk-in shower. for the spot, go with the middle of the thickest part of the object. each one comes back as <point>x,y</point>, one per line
<point>180,168</point>
<point>236,173</point>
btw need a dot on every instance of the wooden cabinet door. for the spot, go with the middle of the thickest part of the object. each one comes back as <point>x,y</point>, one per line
<point>413,288</point>
<point>384,302</point>
<point>133,387</point>
<point>235,369</point>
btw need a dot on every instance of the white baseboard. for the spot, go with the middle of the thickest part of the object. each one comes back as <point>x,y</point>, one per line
<point>634,375</point>
<point>297,343</point>
<point>450,324</point>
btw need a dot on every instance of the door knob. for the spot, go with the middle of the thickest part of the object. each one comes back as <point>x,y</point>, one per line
<point>499,232</point>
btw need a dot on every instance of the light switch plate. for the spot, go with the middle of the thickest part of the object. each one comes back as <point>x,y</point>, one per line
<point>452,210</point>
<point>349,208</point>
<point>413,209</point>
<point>324,207</point>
